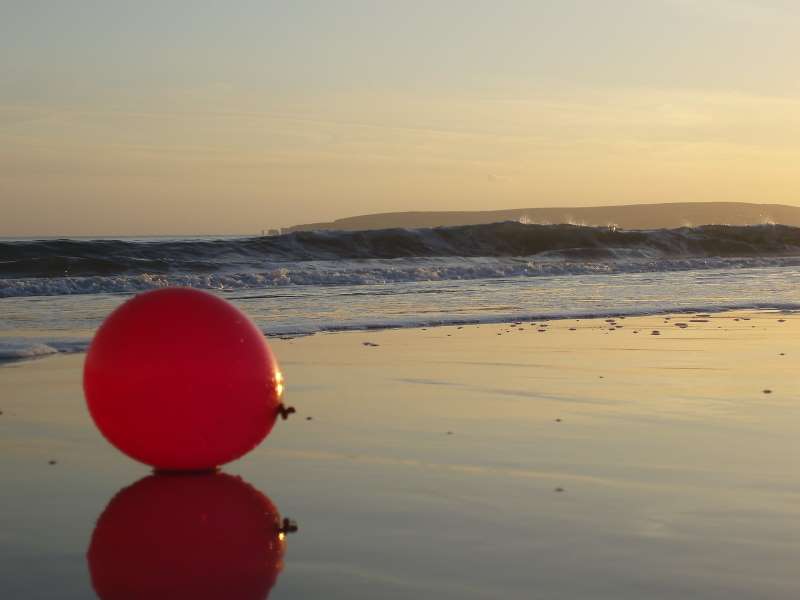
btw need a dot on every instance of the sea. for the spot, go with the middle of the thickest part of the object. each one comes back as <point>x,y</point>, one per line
<point>54,293</point>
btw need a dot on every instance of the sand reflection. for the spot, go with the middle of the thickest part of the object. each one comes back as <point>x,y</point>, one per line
<point>187,536</point>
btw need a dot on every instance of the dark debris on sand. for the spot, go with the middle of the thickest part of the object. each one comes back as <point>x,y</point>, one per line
<point>370,344</point>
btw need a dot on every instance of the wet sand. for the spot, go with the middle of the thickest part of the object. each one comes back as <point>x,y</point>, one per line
<point>564,459</point>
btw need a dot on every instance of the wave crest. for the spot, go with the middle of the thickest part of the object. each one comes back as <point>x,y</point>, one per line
<point>88,258</point>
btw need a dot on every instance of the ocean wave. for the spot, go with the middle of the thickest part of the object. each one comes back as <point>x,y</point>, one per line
<point>370,272</point>
<point>212,257</point>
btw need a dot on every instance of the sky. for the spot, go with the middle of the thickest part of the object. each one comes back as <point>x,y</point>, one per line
<point>199,116</point>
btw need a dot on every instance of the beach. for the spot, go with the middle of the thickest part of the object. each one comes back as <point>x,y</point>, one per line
<point>382,300</point>
<point>573,458</point>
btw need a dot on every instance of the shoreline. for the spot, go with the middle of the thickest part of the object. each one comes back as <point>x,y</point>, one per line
<point>16,346</point>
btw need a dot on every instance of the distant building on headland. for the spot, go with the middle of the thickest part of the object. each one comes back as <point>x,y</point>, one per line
<point>270,232</point>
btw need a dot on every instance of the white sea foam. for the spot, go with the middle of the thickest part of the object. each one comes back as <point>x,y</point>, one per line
<point>21,348</point>
<point>376,271</point>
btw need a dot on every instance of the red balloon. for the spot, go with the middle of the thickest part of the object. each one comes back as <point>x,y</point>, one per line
<point>195,536</point>
<point>180,379</point>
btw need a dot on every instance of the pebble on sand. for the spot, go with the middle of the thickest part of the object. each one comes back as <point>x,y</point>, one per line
<point>767,391</point>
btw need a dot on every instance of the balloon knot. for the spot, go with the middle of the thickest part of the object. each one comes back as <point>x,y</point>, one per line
<point>285,411</point>
<point>288,526</point>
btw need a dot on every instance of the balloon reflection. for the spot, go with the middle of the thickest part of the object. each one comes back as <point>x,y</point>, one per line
<point>187,536</point>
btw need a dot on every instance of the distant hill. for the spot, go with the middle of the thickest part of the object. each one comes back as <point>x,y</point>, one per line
<point>628,216</point>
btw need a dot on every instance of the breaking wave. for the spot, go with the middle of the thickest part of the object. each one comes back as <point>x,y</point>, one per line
<point>370,272</point>
<point>55,267</point>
